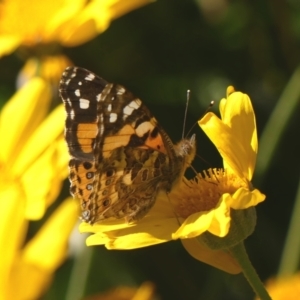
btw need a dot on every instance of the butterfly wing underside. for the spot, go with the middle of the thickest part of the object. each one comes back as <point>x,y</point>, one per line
<point>120,157</point>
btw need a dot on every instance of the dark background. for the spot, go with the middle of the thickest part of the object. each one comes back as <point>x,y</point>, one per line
<point>160,51</point>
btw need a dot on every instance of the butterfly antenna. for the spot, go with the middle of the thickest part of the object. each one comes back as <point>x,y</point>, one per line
<point>211,104</point>
<point>188,94</point>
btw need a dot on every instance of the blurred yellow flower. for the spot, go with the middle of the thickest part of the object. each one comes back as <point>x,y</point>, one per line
<point>48,67</point>
<point>144,292</point>
<point>33,156</point>
<point>38,29</point>
<point>284,288</point>
<point>65,22</point>
<point>26,270</point>
<point>203,204</point>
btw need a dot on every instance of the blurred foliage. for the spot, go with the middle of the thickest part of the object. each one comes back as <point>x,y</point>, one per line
<point>160,51</point>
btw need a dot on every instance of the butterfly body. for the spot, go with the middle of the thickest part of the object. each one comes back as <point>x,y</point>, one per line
<point>120,156</point>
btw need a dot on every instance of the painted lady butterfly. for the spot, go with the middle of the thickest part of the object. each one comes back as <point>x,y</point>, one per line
<point>120,156</point>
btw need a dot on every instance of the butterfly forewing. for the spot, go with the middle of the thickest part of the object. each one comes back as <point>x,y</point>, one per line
<point>120,156</point>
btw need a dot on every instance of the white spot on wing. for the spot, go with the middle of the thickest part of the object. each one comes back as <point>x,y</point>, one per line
<point>69,102</point>
<point>113,117</point>
<point>98,97</point>
<point>79,83</point>
<point>143,128</point>
<point>90,77</point>
<point>101,129</point>
<point>109,107</point>
<point>128,109</point>
<point>101,125</point>
<point>120,90</point>
<point>84,103</point>
<point>77,93</point>
<point>72,114</point>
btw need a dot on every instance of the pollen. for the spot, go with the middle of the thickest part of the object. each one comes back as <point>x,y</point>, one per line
<point>203,192</point>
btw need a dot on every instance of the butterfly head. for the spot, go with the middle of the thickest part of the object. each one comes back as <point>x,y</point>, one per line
<point>186,149</point>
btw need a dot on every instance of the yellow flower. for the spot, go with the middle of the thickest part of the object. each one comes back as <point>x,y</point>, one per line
<point>235,137</point>
<point>69,23</point>
<point>33,156</point>
<point>26,270</point>
<point>205,204</point>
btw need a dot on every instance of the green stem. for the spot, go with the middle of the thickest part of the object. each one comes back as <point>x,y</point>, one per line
<point>240,254</point>
<point>79,274</point>
<point>277,123</point>
<point>290,255</point>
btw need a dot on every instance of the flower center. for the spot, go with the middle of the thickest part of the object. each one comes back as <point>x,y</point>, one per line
<point>203,192</point>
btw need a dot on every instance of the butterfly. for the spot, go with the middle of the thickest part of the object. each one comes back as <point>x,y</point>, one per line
<point>120,157</point>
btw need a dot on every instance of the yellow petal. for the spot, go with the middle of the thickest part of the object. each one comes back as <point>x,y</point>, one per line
<point>49,68</point>
<point>30,280</point>
<point>235,136</point>
<point>40,181</point>
<point>41,139</point>
<point>66,23</point>
<point>145,233</point>
<point>239,116</point>
<point>35,266</point>
<point>93,19</point>
<point>284,288</point>
<point>87,24</point>
<point>232,151</point>
<point>52,238</point>
<point>243,198</point>
<point>13,228</point>
<point>8,44</point>
<point>216,258</point>
<point>216,221</point>
<point>21,115</point>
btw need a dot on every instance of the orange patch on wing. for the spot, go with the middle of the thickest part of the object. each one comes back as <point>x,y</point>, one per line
<point>87,130</point>
<point>120,139</point>
<point>156,143</point>
<point>85,135</point>
<point>85,145</point>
